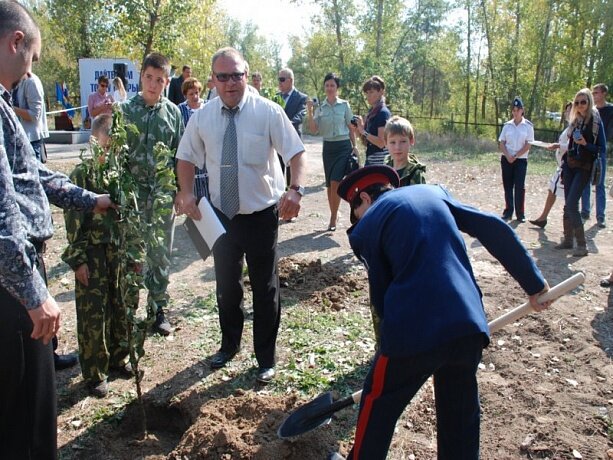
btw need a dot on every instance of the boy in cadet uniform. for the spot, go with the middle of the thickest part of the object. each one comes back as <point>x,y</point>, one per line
<point>157,120</point>
<point>514,143</point>
<point>399,138</point>
<point>101,313</point>
<point>424,290</point>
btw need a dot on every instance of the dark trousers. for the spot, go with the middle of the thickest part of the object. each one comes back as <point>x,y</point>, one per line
<point>393,381</point>
<point>252,237</point>
<point>514,183</point>
<point>28,423</point>
<point>575,181</point>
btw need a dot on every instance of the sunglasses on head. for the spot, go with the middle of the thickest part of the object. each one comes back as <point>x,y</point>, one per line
<point>224,77</point>
<point>582,102</point>
<point>282,79</point>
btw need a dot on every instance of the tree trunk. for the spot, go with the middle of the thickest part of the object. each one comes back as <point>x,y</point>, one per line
<point>339,36</point>
<point>467,97</point>
<point>378,44</point>
<point>153,20</point>
<point>490,61</point>
<point>477,78</point>
<point>542,51</point>
<point>516,50</point>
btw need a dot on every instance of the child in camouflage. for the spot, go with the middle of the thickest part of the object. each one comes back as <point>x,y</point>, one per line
<point>101,314</point>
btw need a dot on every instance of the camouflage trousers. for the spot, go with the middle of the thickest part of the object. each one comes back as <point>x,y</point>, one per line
<point>101,315</point>
<point>157,266</point>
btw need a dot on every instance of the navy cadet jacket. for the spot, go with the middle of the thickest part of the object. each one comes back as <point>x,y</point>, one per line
<point>421,280</point>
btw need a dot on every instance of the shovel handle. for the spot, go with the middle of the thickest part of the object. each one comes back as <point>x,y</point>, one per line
<point>525,309</point>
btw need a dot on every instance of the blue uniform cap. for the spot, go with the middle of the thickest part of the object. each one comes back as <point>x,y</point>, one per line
<point>517,102</point>
<point>364,177</point>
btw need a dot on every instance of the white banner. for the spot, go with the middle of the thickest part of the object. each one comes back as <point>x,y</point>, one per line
<point>91,69</point>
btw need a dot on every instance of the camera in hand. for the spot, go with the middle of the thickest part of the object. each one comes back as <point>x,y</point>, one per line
<point>354,120</point>
<point>315,101</point>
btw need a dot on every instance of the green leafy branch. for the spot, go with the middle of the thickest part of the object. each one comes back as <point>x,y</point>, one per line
<point>138,231</point>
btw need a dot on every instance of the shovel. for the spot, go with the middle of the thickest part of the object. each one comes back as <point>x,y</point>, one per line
<point>319,411</point>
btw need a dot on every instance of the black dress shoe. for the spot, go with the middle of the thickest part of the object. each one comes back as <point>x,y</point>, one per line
<point>219,359</point>
<point>265,374</point>
<point>539,223</point>
<point>64,361</point>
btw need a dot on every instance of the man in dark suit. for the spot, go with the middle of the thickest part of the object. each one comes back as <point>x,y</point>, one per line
<point>174,89</point>
<point>295,105</point>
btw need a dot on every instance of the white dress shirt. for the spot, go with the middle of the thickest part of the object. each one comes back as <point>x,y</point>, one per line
<point>261,128</point>
<point>516,136</point>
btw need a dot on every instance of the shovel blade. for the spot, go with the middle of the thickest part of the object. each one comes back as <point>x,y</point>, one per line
<point>308,417</point>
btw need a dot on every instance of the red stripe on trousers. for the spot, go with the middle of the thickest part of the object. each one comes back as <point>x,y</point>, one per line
<point>377,388</point>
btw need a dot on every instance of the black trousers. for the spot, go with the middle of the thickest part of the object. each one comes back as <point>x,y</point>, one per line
<point>250,237</point>
<point>28,412</point>
<point>393,381</point>
<point>514,183</point>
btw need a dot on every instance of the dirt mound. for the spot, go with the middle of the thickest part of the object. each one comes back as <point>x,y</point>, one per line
<point>244,426</point>
<point>329,286</point>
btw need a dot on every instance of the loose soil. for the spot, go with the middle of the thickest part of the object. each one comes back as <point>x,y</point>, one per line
<point>545,381</point>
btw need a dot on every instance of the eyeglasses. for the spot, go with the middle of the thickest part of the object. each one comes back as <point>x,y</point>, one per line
<point>225,77</point>
<point>582,102</point>
<point>103,85</point>
<point>282,79</point>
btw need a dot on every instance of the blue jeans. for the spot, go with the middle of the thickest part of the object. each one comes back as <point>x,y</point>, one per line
<point>514,183</point>
<point>393,381</point>
<point>575,180</point>
<point>601,194</point>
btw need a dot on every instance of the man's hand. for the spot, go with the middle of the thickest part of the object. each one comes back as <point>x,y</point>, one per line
<point>46,320</point>
<point>533,299</point>
<point>289,205</point>
<point>185,203</point>
<point>103,202</point>
<point>82,274</point>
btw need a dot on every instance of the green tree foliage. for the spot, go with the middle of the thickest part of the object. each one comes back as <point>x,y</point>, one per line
<point>462,59</point>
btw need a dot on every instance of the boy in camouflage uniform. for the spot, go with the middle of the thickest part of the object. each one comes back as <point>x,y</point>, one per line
<point>157,120</point>
<point>101,314</point>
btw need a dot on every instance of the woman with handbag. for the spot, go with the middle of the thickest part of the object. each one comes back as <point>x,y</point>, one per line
<point>586,142</point>
<point>333,121</point>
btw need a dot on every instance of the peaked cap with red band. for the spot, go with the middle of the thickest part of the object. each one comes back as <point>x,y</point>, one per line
<point>364,177</point>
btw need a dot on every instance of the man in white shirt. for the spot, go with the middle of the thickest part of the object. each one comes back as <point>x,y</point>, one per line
<point>514,143</point>
<point>235,136</point>
<point>30,109</point>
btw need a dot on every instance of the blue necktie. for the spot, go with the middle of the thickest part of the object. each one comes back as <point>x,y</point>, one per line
<point>230,203</point>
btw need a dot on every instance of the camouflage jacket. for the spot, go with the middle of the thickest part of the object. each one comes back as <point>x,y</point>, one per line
<point>85,229</point>
<point>412,174</point>
<point>26,188</point>
<point>160,123</point>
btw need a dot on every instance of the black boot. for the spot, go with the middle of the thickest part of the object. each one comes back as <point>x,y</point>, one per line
<point>567,241</point>
<point>161,325</point>
<point>581,250</point>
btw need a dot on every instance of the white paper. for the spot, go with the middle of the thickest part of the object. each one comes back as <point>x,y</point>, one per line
<point>540,144</point>
<point>209,225</point>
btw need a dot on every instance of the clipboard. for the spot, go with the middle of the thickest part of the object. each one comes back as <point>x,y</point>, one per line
<point>205,232</point>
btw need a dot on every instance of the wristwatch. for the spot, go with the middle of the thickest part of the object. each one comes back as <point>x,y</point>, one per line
<point>298,188</point>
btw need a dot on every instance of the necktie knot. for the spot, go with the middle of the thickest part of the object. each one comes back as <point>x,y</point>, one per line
<point>230,112</point>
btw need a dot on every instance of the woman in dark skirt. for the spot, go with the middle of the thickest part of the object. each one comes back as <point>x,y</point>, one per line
<point>332,119</point>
